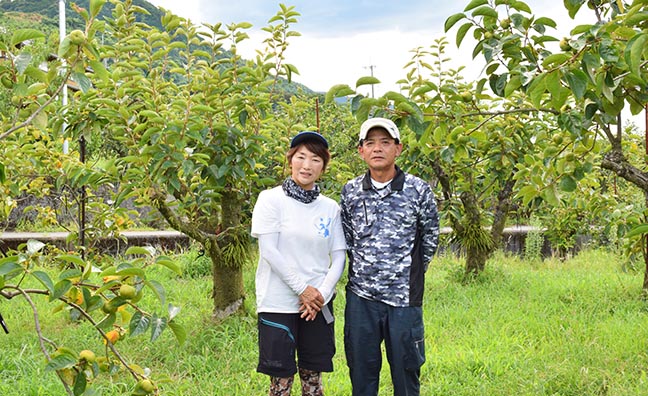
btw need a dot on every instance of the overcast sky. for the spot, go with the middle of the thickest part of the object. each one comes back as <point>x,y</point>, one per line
<point>343,40</point>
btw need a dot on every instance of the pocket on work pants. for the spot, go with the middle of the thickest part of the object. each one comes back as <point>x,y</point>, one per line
<point>415,348</point>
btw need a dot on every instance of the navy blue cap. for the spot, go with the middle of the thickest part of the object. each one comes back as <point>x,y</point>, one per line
<point>303,136</point>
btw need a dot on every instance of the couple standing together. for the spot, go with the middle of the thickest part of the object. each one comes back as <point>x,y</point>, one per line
<point>387,223</point>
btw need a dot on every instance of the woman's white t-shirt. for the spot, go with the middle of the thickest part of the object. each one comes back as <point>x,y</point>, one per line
<point>308,233</point>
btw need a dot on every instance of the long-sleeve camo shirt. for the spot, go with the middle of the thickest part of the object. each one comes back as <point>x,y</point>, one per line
<point>391,236</point>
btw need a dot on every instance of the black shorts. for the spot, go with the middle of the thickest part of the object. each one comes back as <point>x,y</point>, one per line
<point>281,335</point>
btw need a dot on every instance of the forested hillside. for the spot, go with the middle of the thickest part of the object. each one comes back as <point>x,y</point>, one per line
<point>43,15</point>
<point>48,11</point>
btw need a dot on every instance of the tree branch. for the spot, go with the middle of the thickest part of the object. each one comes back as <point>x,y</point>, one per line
<point>615,161</point>
<point>175,222</point>
<point>41,339</point>
<point>498,112</point>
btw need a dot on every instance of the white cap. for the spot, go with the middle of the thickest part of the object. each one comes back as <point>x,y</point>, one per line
<point>378,122</point>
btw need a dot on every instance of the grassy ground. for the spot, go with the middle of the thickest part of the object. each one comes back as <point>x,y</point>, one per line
<point>555,328</point>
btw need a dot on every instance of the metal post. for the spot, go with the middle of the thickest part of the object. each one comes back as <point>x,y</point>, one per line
<point>371,69</point>
<point>64,101</point>
<point>66,144</point>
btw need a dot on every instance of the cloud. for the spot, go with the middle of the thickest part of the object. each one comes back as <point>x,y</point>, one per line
<point>341,39</point>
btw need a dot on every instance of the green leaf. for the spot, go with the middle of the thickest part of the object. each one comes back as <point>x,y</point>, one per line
<point>452,20</point>
<point>590,64</point>
<point>40,121</point>
<point>641,229</point>
<point>527,193</point>
<point>34,246</point>
<point>368,80</point>
<point>395,96</point>
<point>84,82</point>
<point>60,289</point>
<point>143,250</point>
<point>9,265</point>
<point>99,70</point>
<point>520,6</point>
<point>424,89</point>
<point>173,311</point>
<point>573,6</point>
<point>478,48</point>
<point>558,100</point>
<point>555,59</point>
<point>243,117</point>
<point>61,361</point>
<point>157,326</point>
<point>3,175</point>
<point>475,4</point>
<point>107,322</point>
<point>170,264</point>
<point>139,323</point>
<point>580,29</point>
<point>70,258</point>
<point>553,83</point>
<point>546,22</point>
<point>338,91</point>
<point>514,83</point>
<point>608,51</point>
<point>158,289</point>
<point>568,184</point>
<point>498,83</point>
<point>577,81</point>
<point>634,52</point>
<point>64,47</point>
<point>80,384</point>
<point>131,271</point>
<point>95,7</point>
<point>485,11</point>
<point>22,35</point>
<point>461,33</point>
<point>550,195</point>
<point>45,280</point>
<point>178,331</point>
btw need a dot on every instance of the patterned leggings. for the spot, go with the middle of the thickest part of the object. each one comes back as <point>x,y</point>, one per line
<point>311,382</point>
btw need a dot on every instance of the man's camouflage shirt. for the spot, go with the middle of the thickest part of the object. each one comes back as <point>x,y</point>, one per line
<point>391,236</point>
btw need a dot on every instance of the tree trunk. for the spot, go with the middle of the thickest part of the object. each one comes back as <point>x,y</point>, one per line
<point>501,211</point>
<point>615,161</point>
<point>476,260</point>
<point>228,252</point>
<point>226,242</point>
<point>228,291</point>
<point>473,237</point>
<point>645,253</point>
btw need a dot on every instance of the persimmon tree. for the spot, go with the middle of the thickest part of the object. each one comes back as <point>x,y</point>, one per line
<point>475,147</point>
<point>187,130</point>
<point>532,130</point>
<point>596,72</point>
<point>107,298</point>
<point>187,117</point>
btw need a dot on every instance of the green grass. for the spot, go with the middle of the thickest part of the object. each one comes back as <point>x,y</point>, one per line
<point>577,327</point>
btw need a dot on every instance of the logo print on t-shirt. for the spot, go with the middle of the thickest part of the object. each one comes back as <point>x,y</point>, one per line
<point>323,225</point>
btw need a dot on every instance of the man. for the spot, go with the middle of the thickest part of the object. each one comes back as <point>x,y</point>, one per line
<point>391,227</point>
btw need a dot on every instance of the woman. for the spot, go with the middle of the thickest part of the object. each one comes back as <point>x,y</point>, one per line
<point>301,258</point>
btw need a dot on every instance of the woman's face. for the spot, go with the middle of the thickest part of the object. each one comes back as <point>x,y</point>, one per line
<point>306,167</point>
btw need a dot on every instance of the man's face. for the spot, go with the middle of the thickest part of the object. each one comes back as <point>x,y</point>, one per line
<point>379,150</point>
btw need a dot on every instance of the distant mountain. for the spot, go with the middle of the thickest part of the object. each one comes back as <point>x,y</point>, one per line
<point>32,13</point>
<point>49,10</point>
